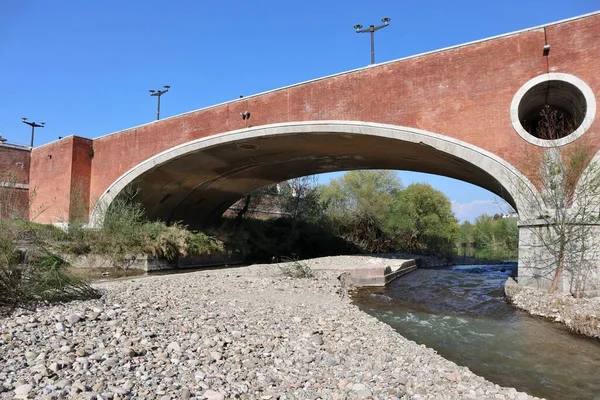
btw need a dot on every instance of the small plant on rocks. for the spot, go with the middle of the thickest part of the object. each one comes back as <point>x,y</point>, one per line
<point>296,269</point>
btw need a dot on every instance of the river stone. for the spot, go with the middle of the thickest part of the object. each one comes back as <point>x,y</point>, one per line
<point>451,377</point>
<point>111,362</point>
<point>23,390</point>
<point>63,383</point>
<point>185,393</point>
<point>174,347</point>
<point>53,367</point>
<point>118,390</point>
<point>317,339</point>
<point>212,395</point>
<point>73,319</point>
<point>357,387</point>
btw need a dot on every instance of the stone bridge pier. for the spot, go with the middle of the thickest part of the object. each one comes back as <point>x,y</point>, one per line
<point>538,256</point>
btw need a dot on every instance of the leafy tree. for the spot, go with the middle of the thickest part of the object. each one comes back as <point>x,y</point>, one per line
<point>366,193</point>
<point>298,198</point>
<point>356,206</point>
<point>421,219</point>
<point>495,238</point>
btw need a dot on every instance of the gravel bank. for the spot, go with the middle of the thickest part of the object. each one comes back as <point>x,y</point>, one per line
<point>579,315</point>
<point>246,333</point>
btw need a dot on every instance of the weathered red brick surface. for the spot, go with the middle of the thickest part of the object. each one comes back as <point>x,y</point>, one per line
<point>14,181</point>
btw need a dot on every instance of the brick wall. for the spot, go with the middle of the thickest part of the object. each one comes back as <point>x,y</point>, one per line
<point>60,178</point>
<point>14,181</point>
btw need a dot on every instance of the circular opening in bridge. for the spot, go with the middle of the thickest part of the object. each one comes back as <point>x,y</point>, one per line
<point>553,109</point>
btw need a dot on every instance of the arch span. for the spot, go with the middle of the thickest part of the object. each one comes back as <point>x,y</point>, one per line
<point>197,181</point>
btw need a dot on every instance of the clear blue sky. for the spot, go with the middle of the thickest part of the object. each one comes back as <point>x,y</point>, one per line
<point>85,67</point>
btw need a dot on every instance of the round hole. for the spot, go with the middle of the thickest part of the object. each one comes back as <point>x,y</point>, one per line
<point>553,109</point>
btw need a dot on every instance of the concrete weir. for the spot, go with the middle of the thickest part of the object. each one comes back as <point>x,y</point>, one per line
<point>367,271</point>
<point>356,270</point>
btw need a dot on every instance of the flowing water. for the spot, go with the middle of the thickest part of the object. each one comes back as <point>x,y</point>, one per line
<point>462,313</point>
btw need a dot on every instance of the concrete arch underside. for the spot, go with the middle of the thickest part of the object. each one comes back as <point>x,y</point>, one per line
<point>197,181</point>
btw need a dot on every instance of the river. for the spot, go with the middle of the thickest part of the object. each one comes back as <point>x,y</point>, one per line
<point>461,312</point>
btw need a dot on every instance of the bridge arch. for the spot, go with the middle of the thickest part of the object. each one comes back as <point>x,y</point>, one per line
<point>200,179</point>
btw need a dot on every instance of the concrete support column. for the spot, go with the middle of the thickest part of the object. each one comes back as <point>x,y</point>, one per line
<point>538,257</point>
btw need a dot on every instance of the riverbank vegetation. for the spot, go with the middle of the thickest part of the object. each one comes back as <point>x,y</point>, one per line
<point>33,257</point>
<point>489,237</point>
<point>361,212</point>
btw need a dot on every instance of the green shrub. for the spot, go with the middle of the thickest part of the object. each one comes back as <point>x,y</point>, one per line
<point>36,277</point>
<point>127,233</point>
<point>172,242</point>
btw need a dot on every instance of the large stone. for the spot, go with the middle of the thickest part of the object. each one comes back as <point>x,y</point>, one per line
<point>23,390</point>
<point>212,395</point>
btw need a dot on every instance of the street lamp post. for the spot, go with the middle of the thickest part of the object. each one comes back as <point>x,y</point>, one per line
<point>159,93</point>
<point>372,29</point>
<point>33,125</point>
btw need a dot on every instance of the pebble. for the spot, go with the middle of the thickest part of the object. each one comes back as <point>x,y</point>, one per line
<point>175,347</point>
<point>212,395</point>
<point>23,390</point>
<point>73,319</point>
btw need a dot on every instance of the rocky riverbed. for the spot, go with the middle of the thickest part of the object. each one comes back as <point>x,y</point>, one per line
<point>249,333</point>
<point>579,315</point>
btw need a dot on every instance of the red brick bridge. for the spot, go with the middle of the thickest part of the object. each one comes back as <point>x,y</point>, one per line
<point>468,112</point>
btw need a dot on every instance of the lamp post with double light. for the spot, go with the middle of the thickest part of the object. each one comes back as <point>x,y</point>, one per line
<point>159,93</point>
<point>372,29</point>
<point>33,125</point>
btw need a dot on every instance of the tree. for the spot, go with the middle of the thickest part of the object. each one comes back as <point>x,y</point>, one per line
<point>495,238</point>
<point>356,206</point>
<point>421,219</point>
<point>562,243</point>
<point>366,193</point>
<point>298,198</point>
